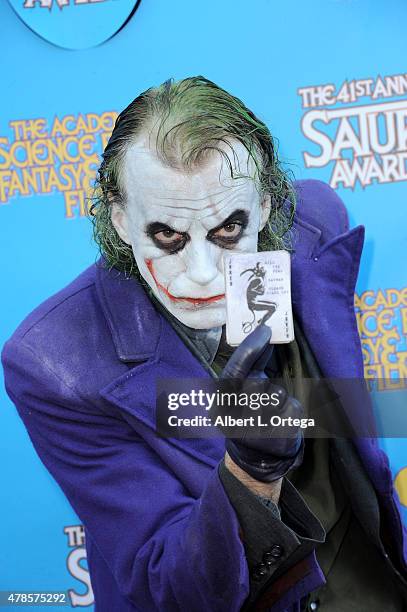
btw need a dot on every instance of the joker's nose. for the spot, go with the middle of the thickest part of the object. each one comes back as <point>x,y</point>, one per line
<point>201,263</point>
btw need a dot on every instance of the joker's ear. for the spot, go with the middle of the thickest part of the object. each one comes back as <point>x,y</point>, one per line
<point>120,221</point>
<point>265,208</point>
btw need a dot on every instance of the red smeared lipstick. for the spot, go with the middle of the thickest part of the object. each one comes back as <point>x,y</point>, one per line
<point>173,298</point>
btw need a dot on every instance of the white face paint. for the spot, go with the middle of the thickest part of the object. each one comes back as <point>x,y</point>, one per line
<point>180,224</point>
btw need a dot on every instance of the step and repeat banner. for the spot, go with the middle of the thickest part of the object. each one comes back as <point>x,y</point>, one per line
<point>329,77</point>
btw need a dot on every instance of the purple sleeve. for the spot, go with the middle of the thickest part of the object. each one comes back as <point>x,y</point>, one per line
<point>165,549</point>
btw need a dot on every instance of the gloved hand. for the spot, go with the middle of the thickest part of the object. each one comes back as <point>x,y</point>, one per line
<point>265,459</point>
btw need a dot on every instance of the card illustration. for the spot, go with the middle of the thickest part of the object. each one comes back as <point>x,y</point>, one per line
<point>256,288</point>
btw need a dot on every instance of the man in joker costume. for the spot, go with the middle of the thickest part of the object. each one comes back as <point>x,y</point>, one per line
<point>199,524</point>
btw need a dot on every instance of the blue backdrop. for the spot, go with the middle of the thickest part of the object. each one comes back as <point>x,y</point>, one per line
<point>327,76</point>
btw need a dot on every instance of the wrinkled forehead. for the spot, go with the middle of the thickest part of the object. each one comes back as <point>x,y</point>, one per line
<point>208,191</point>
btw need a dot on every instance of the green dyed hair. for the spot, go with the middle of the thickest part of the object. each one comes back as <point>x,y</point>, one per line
<point>186,121</point>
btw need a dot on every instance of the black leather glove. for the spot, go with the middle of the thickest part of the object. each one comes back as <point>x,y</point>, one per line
<point>265,459</point>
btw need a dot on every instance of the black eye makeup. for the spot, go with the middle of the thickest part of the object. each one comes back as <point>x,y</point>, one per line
<point>166,238</point>
<point>229,232</point>
<point>224,235</point>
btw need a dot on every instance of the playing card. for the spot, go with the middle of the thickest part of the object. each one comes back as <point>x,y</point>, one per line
<point>258,290</point>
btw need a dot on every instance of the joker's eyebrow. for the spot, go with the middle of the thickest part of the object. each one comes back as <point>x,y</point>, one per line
<point>156,226</point>
<point>239,215</point>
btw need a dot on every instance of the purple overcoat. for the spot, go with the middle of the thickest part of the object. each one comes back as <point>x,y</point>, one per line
<point>161,533</point>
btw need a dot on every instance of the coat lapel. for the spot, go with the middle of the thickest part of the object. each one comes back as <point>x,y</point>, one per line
<point>323,286</point>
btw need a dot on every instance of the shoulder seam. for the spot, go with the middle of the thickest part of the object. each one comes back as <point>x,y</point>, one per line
<point>61,380</point>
